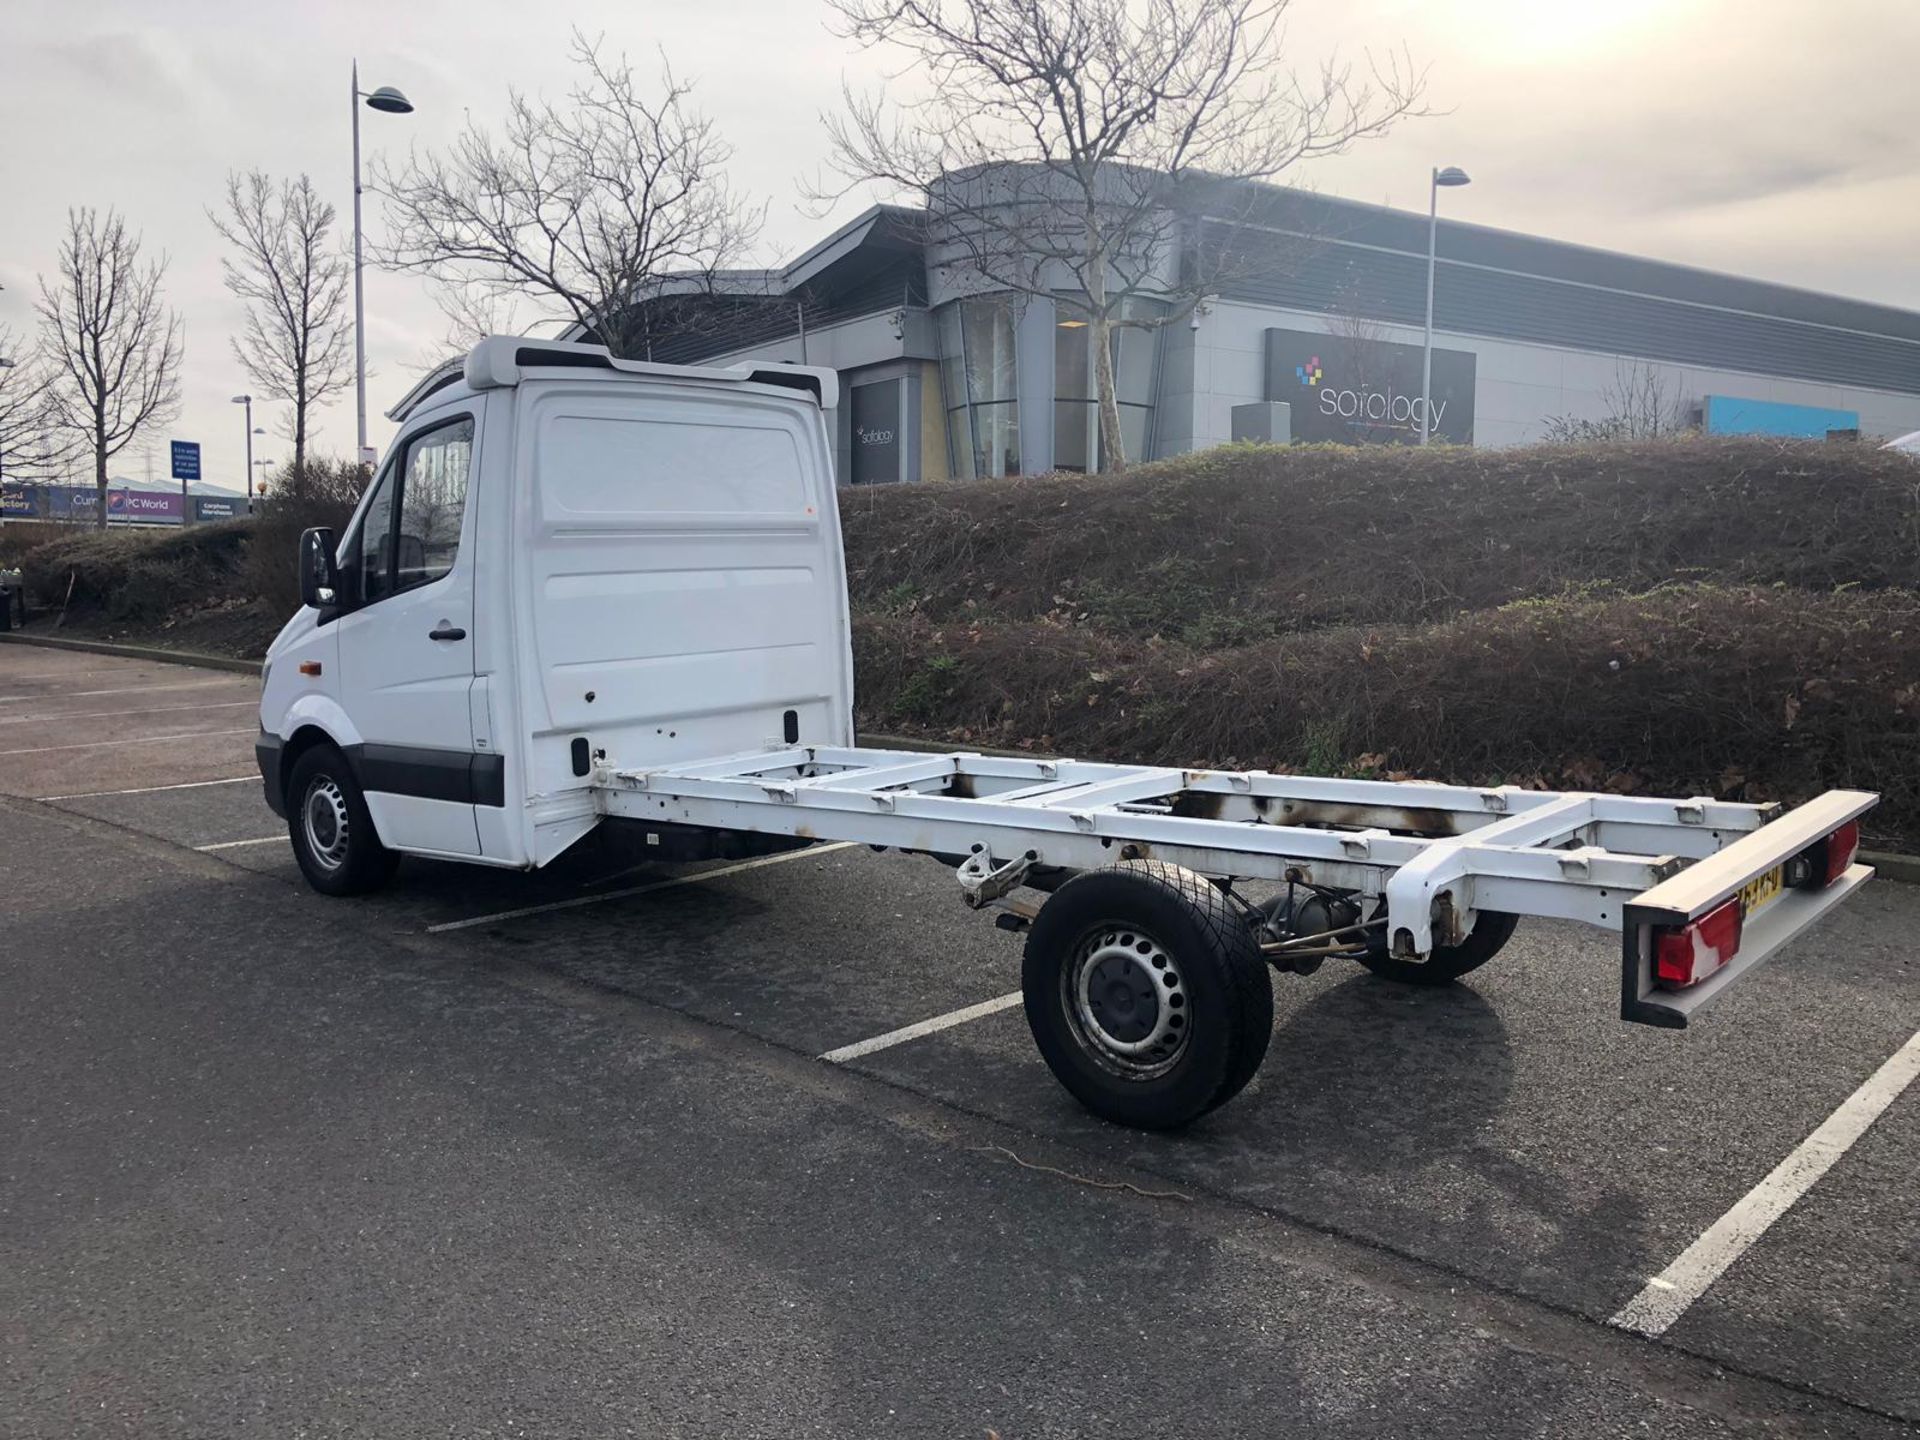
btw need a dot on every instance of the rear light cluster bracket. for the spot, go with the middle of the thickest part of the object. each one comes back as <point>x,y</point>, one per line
<point>1690,936</point>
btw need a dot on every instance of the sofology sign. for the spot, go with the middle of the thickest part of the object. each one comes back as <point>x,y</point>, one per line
<point>879,415</point>
<point>1353,390</point>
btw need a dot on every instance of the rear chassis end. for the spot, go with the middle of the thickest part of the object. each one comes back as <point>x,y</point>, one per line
<point>1146,974</point>
<point>1690,937</point>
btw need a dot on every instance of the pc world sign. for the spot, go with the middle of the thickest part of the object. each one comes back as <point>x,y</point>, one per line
<point>145,506</point>
<point>1352,390</point>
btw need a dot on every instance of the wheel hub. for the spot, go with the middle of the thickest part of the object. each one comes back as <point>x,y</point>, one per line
<point>1129,999</point>
<point>324,817</point>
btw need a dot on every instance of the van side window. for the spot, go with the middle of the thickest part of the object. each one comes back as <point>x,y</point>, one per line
<point>433,502</point>
<point>375,562</point>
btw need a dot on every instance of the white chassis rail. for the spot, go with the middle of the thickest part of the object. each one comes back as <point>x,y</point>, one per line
<point>1436,854</point>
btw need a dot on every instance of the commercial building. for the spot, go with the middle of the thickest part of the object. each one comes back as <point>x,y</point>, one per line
<point>128,503</point>
<point>946,378</point>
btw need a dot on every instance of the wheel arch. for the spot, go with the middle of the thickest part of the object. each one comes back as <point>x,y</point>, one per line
<point>313,720</point>
<point>306,737</point>
<point>309,733</point>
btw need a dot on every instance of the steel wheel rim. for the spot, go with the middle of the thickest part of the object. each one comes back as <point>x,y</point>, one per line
<point>1127,1001</point>
<point>324,817</point>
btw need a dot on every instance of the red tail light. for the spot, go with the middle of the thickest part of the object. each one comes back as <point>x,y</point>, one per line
<point>1842,845</point>
<point>1689,953</point>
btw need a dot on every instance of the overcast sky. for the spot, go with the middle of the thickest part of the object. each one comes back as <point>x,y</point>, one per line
<point>1766,137</point>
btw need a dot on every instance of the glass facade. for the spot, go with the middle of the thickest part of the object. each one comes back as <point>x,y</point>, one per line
<point>983,409</point>
<point>1076,410</point>
<point>980,371</point>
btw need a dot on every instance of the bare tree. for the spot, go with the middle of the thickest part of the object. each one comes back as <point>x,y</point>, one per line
<point>1356,353</point>
<point>582,207</point>
<point>473,313</point>
<point>1071,148</point>
<point>32,447</point>
<point>1639,403</point>
<point>114,345</point>
<point>294,286</point>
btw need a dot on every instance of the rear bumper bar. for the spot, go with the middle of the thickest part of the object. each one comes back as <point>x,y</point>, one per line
<point>1701,887</point>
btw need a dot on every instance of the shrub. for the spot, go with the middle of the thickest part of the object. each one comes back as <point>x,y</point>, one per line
<point>1247,541</point>
<point>17,537</point>
<point>323,492</point>
<point>137,576</point>
<point>1746,693</point>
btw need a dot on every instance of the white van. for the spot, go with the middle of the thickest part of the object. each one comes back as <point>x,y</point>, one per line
<point>588,592</point>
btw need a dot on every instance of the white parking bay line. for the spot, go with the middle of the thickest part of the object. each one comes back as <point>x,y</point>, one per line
<point>238,844</point>
<point>923,1027</point>
<point>677,880</point>
<point>138,740</point>
<point>115,714</point>
<point>129,690</point>
<point>153,789</point>
<point>1665,1298</point>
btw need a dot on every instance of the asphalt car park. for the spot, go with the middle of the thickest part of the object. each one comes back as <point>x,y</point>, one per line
<point>764,1147</point>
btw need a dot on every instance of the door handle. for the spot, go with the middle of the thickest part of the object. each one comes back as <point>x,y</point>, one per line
<point>444,631</point>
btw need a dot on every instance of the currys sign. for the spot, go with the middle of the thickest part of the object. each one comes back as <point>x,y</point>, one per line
<point>70,502</point>
<point>1358,391</point>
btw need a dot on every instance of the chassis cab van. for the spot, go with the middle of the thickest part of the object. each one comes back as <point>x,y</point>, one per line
<point>587,592</point>
<point>556,563</point>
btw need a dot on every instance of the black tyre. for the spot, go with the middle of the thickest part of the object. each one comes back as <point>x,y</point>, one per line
<point>332,831</point>
<point>1147,994</point>
<point>1491,931</point>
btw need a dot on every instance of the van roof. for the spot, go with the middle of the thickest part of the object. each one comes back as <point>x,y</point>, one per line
<point>500,361</point>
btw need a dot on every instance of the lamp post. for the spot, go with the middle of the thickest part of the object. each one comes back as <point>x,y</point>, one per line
<point>388,101</point>
<point>247,400</point>
<point>1452,175</point>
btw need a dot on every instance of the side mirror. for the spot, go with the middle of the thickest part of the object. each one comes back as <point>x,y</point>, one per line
<point>319,578</point>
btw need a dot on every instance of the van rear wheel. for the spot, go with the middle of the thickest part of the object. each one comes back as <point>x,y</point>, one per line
<point>332,829</point>
<point>1147,994</point>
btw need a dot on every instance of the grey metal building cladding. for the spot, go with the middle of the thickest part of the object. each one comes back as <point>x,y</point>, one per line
<point>885,271</point>
<point>1330,256</point>
<point>1335,256</point>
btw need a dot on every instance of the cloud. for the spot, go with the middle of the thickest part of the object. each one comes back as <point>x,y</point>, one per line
<point>1759,136</point>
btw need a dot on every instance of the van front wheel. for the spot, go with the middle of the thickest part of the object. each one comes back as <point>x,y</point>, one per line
<point>331,828</point>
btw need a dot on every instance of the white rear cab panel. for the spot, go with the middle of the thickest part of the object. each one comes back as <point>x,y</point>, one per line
<point>682,587</point>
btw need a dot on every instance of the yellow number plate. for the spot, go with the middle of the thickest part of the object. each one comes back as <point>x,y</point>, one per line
<point>1762,890</point>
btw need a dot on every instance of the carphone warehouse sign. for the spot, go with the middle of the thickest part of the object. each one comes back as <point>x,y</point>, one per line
<point>1356,391</point>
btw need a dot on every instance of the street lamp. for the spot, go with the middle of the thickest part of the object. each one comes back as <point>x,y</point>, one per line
<point>388,101</point>
<point>247,400</point>
<point>1452,175</point>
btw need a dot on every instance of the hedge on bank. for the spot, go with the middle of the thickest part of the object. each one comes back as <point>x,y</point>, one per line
<point>1245,542</point>
<point>1742,692</point>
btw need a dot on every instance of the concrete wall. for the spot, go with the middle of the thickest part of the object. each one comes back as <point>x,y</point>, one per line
<point>1517,386</point>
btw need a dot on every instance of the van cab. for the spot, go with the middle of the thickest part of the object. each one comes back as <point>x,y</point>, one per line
<point>562,555</point>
